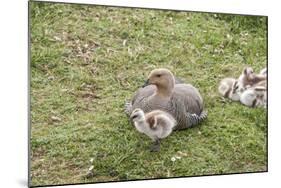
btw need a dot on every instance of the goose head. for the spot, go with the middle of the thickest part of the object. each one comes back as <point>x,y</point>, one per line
<point>163,79</point>
<point>137,115</point>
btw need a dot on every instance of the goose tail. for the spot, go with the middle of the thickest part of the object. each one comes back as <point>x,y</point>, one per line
<point>194,119</point>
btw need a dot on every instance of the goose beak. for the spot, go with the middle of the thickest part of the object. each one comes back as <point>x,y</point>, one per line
<point>146,83</point>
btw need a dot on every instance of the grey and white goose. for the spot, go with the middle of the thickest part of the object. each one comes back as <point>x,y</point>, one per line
<point>182,101</point>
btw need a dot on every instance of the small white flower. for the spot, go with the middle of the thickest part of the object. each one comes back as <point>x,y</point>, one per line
<point>91,160</point>
<point>91,168</point>
<point>55,118</point>
<point>124,42</point>
<point>173,159</point>
<point>57,38</point>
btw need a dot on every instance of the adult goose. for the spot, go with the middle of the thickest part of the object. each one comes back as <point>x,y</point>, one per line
<point>182,101</point>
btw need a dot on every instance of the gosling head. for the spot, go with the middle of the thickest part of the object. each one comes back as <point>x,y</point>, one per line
<point>250,78</point>
<point>246,77</point>
<point>248,71</point>
<point>137,115</point>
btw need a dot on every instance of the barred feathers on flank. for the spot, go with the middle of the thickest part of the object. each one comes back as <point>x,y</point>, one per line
<point>194,119</point>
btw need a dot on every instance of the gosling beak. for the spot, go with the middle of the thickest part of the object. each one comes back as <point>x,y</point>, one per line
<point>132,117</point>
<point>146,83</point>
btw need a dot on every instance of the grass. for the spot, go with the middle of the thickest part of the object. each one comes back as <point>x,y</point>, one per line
<point>87,60</point>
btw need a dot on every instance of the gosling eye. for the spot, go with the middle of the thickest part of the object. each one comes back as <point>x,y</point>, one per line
<point>158,75</point>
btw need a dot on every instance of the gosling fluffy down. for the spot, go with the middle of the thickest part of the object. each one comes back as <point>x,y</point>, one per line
<point>254,97</point>
<point>255,88</point>
<point>228,88</point>
<point>156,124</point>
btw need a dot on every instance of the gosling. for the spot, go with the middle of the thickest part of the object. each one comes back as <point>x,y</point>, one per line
<point>248,78</point>
<point>254,97</point>
<point>156,124</point>
<point>228,88</point>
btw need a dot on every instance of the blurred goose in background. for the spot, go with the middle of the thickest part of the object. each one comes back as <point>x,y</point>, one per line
<point>228,88</point>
